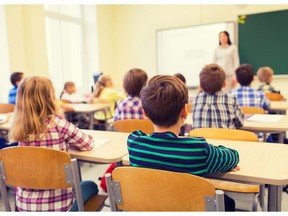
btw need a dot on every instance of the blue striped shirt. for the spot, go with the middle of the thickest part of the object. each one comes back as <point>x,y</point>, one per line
<point>12,95</point>
<point>192,155</point>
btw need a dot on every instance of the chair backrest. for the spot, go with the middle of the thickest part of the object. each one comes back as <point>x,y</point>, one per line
<point>252,110</point>
<point>6,108</point>
<point>143,189</point>
<point>40,169</point>
<point>274,96</point>
<point>130,125</point>
<point>224,133</point>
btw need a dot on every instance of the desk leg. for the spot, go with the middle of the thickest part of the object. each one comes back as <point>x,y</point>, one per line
<point>274,197</point>
<point>281,137</point>
<point>91,127</point>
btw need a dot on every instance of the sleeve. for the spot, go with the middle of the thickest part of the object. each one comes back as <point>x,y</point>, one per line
<point>221,159</point>
<point>265,102</point>
<point>74,137</point>
<point>239,116</point>
<point>236,61</point>
<point>116,112</point>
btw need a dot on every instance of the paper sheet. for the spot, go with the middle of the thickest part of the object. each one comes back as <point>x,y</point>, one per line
<point>3,118</point>
<point>265,118</point>
<point>100,142</point>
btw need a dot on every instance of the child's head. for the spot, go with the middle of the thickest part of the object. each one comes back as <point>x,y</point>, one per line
<point>163,99</point>
<point>70,87</point>
<point>35,103</point>
<point>265,74</point>
<point>181,77</point>
<point>212,78</point>
<point>104,81</point>
<point>16,77</point>
<point>133,81</point>
<point>245,74</point>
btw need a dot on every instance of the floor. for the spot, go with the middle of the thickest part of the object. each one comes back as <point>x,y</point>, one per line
<point>93,172</point>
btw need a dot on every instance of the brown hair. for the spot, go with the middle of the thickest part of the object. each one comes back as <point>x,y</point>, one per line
<point>16,77</point>
<point>264,74</point>
<point>212,78</point>
<point>101,84</point>
<point>134,80</point>
<point>245,74</point>
<point>35,103</point>
<point>181,77</point>
<point>163,98</point>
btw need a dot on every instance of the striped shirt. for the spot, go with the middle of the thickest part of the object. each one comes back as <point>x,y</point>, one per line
<point>60,135</point>
<point>248,96</point>
<point>192,155</point>
<point>129,108</point>
<point>267,88</point>
<point>218,110</point>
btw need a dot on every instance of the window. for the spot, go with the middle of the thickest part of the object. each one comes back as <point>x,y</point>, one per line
<point>69,47</point>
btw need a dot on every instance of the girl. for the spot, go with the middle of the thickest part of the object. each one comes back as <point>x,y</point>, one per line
<point>36,123</point>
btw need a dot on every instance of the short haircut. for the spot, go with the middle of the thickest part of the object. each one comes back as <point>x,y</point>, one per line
<point>212,78</point>
<point>163,98</point>
<point>16,77</point>
<point>68,84</point>
<point>134,80</point>
<point>181,77</point>
<point>264,74</point>
<point>245,74</point>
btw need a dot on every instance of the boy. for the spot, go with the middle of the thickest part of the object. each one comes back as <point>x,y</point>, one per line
<point>246,95</point>
<point>164,101</point>
<point>265,76</point>
<point>15,79</point>
<point>212,107</point>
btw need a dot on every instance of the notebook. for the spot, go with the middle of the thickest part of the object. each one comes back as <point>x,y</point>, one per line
<point>264,118</point>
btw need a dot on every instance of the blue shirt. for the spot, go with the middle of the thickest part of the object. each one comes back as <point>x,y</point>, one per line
<point>12,95</point>
<point>248,96</point>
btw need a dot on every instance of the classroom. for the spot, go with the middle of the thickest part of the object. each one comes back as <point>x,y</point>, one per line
<point>76,42</point>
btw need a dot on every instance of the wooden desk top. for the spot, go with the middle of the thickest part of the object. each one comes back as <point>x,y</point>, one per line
<point>280,126</point>
<point>110,152</point>
<point>261,163</point>
<point>279,105</point>
<point>87,108</point>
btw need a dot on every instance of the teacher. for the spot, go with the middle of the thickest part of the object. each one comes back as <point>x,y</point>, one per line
<point>226,55</point>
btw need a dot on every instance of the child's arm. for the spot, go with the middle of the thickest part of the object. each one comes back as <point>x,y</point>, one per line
<point>265,102</point>
<point>221,159</point>
<point>73,136</point>
<point>239,116</point>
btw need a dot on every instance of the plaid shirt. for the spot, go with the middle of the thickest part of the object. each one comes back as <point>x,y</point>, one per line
<point>60,135</point>
<point>129,108</point>
<point>218,110</point>
<point>248,96</point>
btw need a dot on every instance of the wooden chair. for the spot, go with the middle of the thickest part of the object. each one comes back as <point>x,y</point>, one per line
<point>274,96</point>
<point>232,134</point>
<point>143,189</point>
<point>130,125</point>
<point>6,108</point>
<point>252,110</point>
<point>42,169</point>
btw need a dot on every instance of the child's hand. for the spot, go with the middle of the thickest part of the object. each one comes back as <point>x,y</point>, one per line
<point>237,168</point>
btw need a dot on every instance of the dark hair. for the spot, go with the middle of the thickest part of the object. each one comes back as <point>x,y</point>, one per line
<point>163,98</point>
<point>227,34</point>
<point>181,77</point>
<point>16,77</point>
<point>66,85</point>
<point>134,80</point>
<point>245,74</point>
<point>212,78</point>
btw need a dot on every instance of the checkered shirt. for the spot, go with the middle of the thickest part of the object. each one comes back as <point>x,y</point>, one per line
<point>248,96</point>
<point>60,135</point>
<point>128,108</point>
<point>218,110</point>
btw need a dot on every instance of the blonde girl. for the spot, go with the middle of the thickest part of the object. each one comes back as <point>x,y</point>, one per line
<point>36,123</point>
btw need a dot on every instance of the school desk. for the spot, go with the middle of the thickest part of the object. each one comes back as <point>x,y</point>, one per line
<point>260,163</point>
<point>279,106</point>
<point>90,109</point>
<point>261,127</point>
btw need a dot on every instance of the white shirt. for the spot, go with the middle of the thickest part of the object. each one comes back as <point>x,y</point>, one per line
<point>228,58</point>
<point>74,98</point>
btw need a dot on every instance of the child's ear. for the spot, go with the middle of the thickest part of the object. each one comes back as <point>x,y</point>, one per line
<point>145,115</point>
<point>184,112</point>
<point>200,89</point>
<point>224,84</point>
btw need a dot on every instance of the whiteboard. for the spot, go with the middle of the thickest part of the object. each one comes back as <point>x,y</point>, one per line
<point>187,50</point>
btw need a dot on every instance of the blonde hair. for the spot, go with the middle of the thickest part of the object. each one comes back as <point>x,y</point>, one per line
<point>264,74</point>
<point>101,84</point>
<point>35,105</point>
<point>66,86</point>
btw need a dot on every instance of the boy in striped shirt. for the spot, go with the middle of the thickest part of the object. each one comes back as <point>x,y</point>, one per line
<point>164,101</point>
